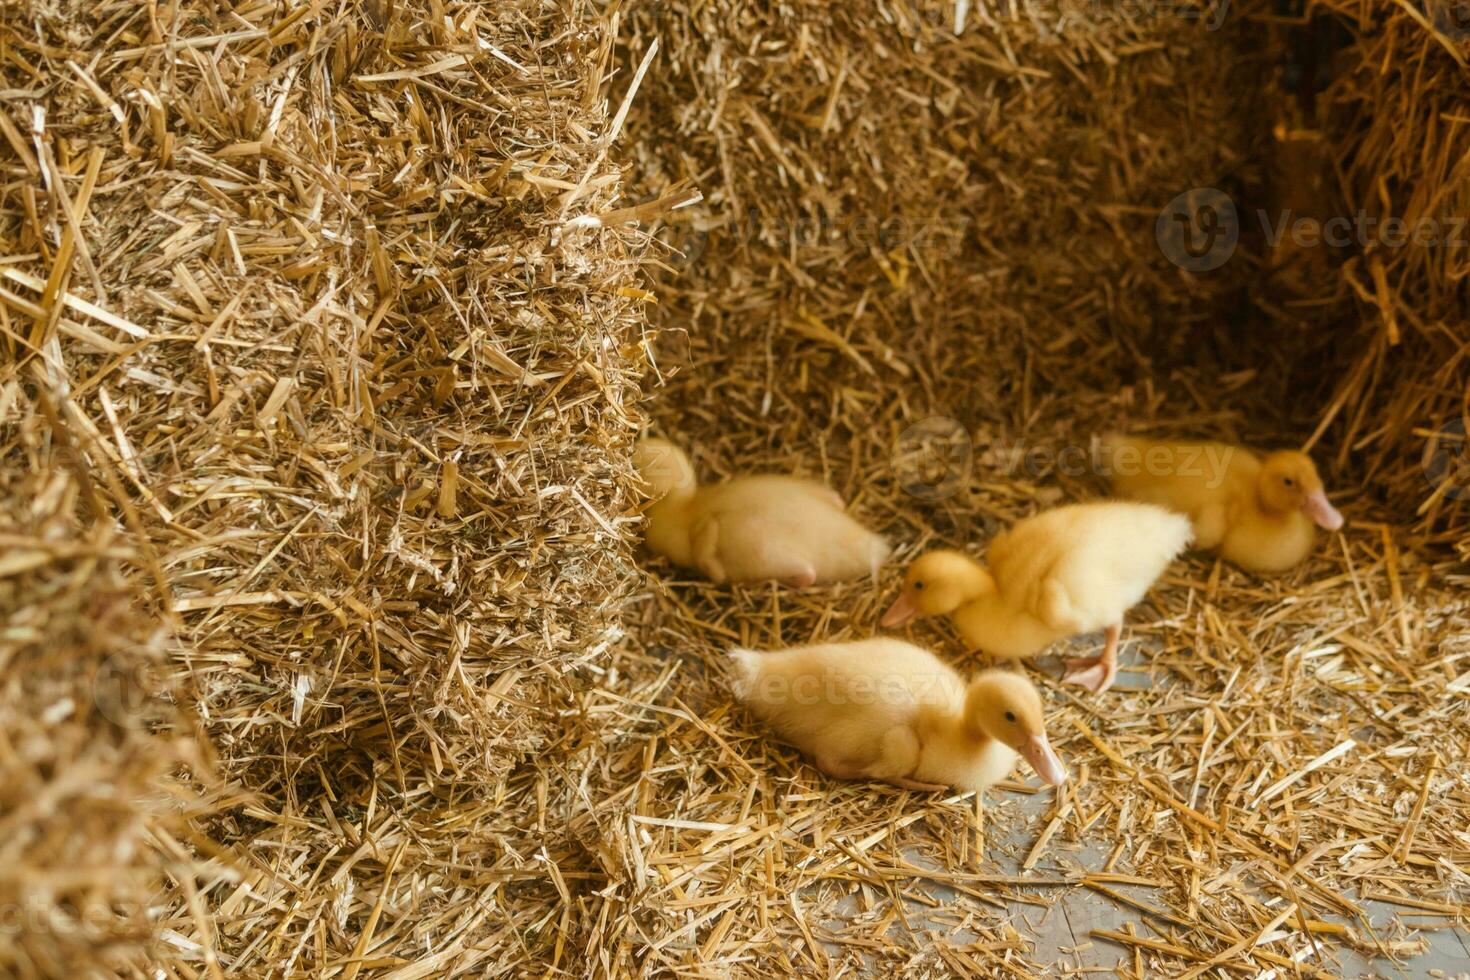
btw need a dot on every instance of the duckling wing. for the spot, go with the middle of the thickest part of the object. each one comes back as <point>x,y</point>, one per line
<point>1025,562</point>
<point>1055,606</point>
<point>1079,568</point>
<point>748,546</point>
<point>704,547</point>
<point>898,754</point>
<point>1020,557</point>
<point>1210,525</point>
<point>1115,553</point>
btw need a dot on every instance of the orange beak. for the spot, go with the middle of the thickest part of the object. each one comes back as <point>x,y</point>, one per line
<point>1038,753</point>
<point>903,610</point>
<point>1320,510</point>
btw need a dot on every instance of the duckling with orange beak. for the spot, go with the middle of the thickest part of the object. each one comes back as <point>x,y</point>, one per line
<point>886,710</point>
<point>1060,573</point>
<point>1262,513</point>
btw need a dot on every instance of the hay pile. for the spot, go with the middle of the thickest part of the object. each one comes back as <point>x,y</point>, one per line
<point>342,408</point>
<point>296,272</point>
<point>965,220</point>
<point>1395,121</point>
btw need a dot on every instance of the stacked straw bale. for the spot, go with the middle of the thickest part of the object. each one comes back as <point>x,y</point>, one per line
<point>1394,121</point>
<point>92,794</point>
<point>902,222</point>
<point>296,273</point>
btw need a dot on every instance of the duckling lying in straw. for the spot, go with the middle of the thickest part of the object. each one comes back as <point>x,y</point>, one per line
<point>753,528</point>
<point>886,710</point>
<point>1262,513</point>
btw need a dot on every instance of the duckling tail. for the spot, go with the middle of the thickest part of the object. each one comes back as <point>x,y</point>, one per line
<point>879,551</point>
<point>745,668</point>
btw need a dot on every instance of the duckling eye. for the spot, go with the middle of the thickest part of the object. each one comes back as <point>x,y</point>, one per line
<point>918,586</point>
<point>1010,716</point>
<point>1288,481</point>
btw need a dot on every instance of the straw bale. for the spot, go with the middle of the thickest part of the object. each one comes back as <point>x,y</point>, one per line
<point>893,202</point>
<point>300,270</point>
<point>1393,122</point>
<point>98,769</point>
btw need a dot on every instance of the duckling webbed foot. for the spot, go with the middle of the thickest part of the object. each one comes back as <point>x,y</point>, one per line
<point>1096,673</point>
<point>1093,673</point>
<point>801,580</point>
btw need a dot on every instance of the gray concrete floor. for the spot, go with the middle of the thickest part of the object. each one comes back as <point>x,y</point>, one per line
<point>1061,931</point>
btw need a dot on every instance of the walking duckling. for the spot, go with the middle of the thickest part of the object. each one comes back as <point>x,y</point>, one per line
<point>1060,573</point>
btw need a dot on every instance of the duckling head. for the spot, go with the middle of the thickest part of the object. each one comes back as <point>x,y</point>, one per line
<point>936,584</point>
<point>1005,706</point>
<point>1289,482</point>
<point>665,468</point>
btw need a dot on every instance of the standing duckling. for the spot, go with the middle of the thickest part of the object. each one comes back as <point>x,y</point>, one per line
<point>883,709</point>
<point>754,528</point>
<point>1261,513</point>
<point>1065,571</point>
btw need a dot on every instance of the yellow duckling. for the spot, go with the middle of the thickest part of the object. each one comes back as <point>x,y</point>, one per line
<point>1261,513</point>
<point>1066,571</point>
<point>754,528</point>
<point>883,709</point>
